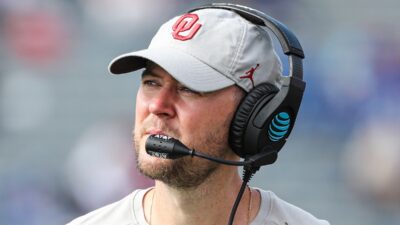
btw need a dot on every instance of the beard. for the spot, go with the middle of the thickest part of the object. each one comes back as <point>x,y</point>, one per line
<point>186,172</point>
<point>179,173</point>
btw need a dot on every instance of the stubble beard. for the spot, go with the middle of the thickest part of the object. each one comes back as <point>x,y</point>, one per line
<point>186,172</point>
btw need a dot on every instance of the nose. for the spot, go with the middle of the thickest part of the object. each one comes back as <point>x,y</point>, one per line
<point>163,104</point>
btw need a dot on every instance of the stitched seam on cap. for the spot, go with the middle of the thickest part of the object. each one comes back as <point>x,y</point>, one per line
<point>238,50</point>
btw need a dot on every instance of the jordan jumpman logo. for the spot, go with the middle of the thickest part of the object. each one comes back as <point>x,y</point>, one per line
<point>250,74</point>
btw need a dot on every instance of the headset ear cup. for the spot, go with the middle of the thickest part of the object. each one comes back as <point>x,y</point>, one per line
<point>243,114</point>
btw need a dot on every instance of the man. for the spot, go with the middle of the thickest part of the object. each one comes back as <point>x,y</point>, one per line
<point>198,68</point>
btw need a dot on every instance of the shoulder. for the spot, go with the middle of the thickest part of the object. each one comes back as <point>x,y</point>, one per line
<point>120,212</point>
<point>279,212</point>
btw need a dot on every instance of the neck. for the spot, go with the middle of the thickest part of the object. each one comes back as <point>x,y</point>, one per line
<point>209,203</point>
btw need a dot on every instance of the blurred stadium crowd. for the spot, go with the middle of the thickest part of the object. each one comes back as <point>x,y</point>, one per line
<point>65,124</point>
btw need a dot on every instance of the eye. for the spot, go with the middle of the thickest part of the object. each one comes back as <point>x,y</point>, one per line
<point>150,83</point>
<point>149,79</point>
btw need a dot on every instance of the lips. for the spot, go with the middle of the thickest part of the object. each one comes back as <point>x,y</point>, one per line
<point>156,131</point>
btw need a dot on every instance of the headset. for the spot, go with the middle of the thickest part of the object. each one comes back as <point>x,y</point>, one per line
<point>266,115</point>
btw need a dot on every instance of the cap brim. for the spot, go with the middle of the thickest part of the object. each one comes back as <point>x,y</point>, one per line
<point>185,68</point>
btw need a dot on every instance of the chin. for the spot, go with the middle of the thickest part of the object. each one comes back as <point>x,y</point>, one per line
<point>148,164</point>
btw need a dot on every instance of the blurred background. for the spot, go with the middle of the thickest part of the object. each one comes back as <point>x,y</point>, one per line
<point>65,124</point>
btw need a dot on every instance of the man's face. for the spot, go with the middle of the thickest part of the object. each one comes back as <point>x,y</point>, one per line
<point>199,120</point>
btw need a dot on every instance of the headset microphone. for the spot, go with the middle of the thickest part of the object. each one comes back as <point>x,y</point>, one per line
<point>162,146</point>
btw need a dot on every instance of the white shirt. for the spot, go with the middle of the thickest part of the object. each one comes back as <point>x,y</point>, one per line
<point>129,211</point>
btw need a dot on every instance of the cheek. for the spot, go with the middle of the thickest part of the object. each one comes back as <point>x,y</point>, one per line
<point>141,109</point>
<point>141,113</point>
<point>207,118</point>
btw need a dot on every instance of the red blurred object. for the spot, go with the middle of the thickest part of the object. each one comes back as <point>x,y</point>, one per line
<point>36,36</point>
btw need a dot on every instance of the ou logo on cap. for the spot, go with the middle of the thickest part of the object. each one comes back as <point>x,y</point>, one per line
<point>186,23</point>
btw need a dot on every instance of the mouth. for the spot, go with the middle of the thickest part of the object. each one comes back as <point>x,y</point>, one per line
<point>158,133</point>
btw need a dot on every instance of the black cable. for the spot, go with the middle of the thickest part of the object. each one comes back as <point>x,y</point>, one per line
<point>226,162</point>
<point>247,174</point>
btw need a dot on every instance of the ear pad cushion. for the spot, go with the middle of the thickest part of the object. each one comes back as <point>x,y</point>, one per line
<point>243,114</point>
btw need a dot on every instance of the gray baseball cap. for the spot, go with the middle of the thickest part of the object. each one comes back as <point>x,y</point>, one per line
<point>207,50</point>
